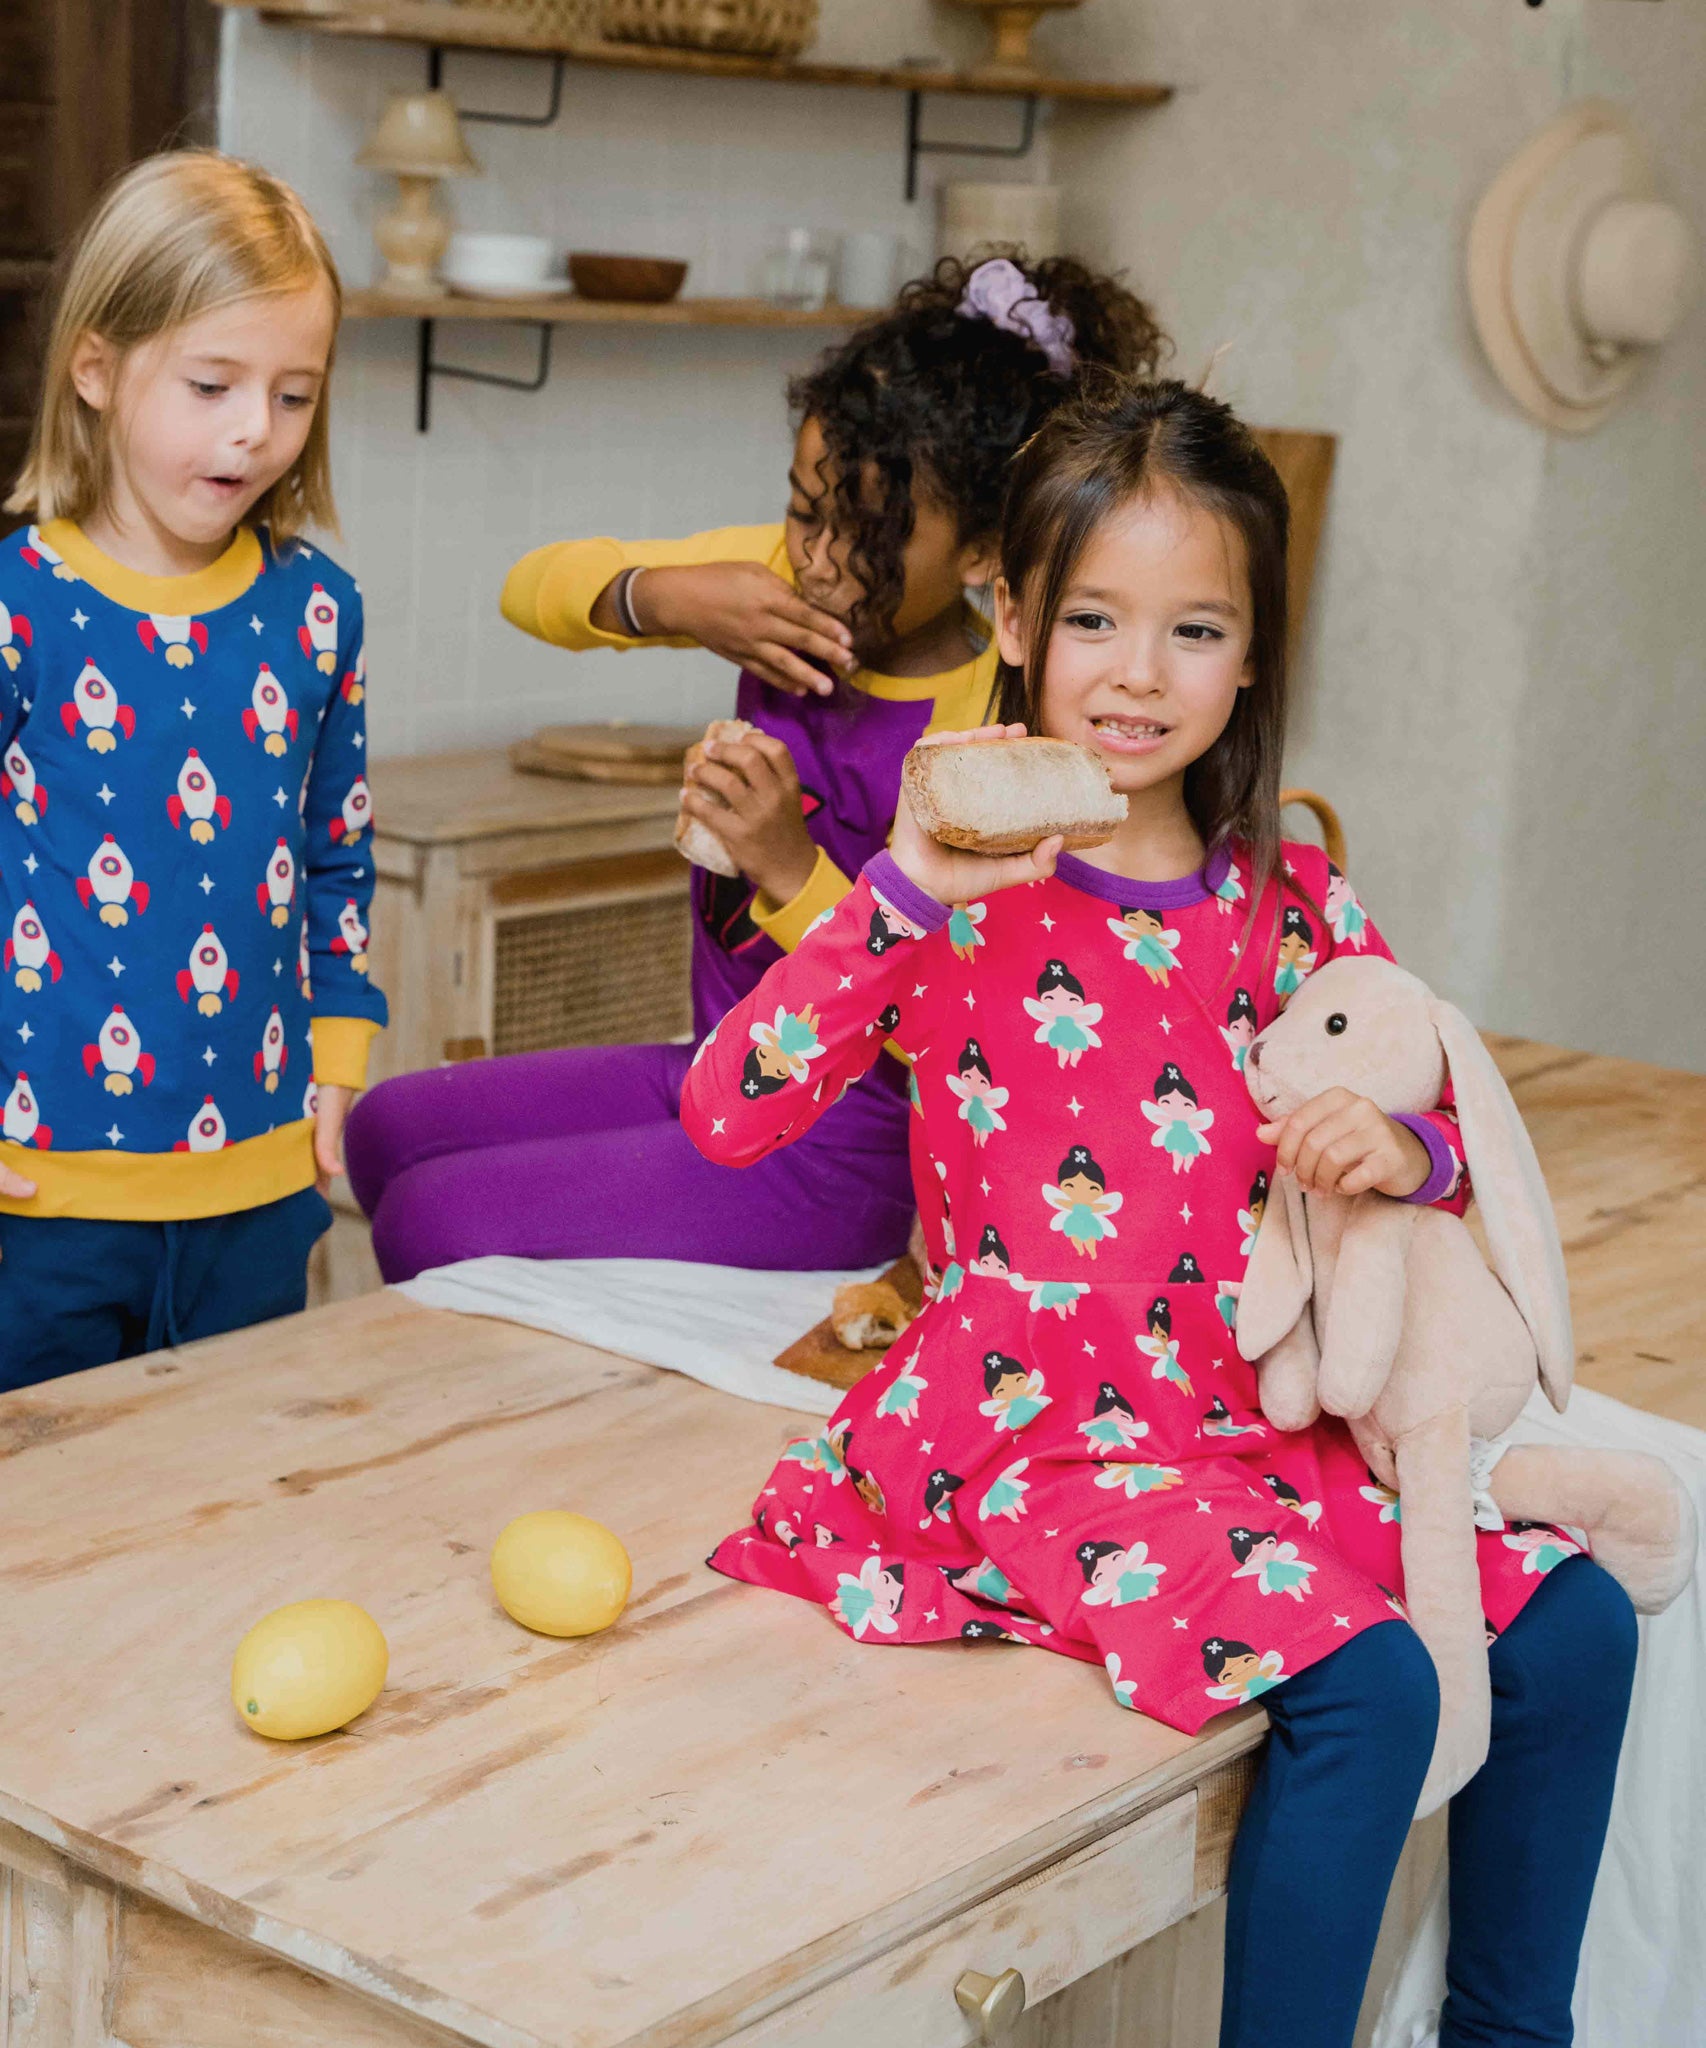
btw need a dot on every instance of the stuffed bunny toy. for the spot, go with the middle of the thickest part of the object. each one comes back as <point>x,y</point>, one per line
<point>1385,1313</point>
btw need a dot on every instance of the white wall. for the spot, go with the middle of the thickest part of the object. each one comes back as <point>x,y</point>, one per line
<point>1503,686</point>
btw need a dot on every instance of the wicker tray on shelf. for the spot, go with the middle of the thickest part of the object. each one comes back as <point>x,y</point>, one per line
<point>581,19</point>
<point>755,28</point>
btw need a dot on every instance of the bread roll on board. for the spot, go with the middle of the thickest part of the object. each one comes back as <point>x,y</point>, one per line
<point>1004,796</point>
<point>694,840</point>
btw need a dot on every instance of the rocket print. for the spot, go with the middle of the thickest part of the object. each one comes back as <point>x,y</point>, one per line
<point>207,1130</point>
<point>963,934</point>
<point>278,892</point>
<point>13,628</point>
<point>354,685</point>
<point>118,1051</point>
<point>182,639</point>
<point>311,1100</point>
<point>356,816</point>
<point>39,555</point>
<point>18,783</point>
<point>1147,941</point>
<point>1180,1126</point>
<point>274,1054</point>
<point>20,1121</point>
<point>318,632</point>
<point>210,977</point>
<point>28,953</point>
<point>1064,1019</point>
<point>303,979</point>
<point>270,714</point>
<point>981,1102</point>
<point>198,799</point>
<point>94,705</point>
<point>111,882</point>
<point>351,937</point>
<point>1082,1203</point>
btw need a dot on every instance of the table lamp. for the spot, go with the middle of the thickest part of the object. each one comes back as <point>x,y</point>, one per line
<point>420,141</point>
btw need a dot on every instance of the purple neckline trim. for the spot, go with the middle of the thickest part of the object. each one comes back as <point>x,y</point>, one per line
<point>1444,1166</point>
<point>1121,889</point>
<point>883,873</point>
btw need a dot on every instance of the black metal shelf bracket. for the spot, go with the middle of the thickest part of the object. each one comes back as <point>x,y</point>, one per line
<point>427,367</point>
<point>916,146</point>
<point>435,80</point>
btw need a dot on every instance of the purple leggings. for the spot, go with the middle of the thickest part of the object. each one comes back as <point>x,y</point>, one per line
<point>579,1154</point>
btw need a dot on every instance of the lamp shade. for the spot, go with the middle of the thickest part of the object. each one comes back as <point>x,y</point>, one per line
<point>419,137</point>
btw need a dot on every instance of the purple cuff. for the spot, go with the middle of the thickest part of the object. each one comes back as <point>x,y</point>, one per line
<point>903,894</point>
<point>1444,1169</point>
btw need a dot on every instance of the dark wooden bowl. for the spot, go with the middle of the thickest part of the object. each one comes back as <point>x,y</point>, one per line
<point>646,280</point>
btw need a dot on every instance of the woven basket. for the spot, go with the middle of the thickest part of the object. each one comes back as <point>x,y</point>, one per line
<point>580,19</point>
<point>754,28</point>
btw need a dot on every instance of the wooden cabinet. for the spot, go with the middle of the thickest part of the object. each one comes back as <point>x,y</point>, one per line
<point>517,912</point>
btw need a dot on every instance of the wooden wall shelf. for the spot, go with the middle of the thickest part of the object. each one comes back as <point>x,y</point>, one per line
<point>566,310</point>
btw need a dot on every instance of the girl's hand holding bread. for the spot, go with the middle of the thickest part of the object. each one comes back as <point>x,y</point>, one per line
<point>948,873</point>
<point>742,787</point>
<point>742,611</point>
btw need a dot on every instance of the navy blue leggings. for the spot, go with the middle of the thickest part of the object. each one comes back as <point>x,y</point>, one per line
<point>1333,1802</point>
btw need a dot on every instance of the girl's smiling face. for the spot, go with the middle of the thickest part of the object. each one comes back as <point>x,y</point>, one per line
<point>1152,641</point>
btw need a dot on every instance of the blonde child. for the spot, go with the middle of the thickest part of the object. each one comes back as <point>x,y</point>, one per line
<point>185,869</point>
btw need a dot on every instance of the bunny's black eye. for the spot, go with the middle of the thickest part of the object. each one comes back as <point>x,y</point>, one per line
<point>1336,1023</point>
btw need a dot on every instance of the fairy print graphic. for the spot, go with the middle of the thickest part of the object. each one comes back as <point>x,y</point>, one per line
<point>864,1485</point>
<point>980,1631</point>
<point>992,1260</point>
<point>825,1454</point>
<point>823,1535</point>
<point>872,1600</point>
<point>782,1529</point>
<point>1005,1500</point>
<point>1250,1218</point>
<point>781,1052</point>
<point>1134,1480</point>
<point>885,1020</point>
<point>1082,1203</point>
<point>1113,1425</point>
<point>1296,953</point>
<point>939,1491</point>
<point>1231,889</point>
<point>1147,941</point>
<point>1186,1272</point>
<point>1543,1547</point>
<point>1288,1497</point>
<point>1124,1688</point>
<point>1226,1293</point>
<point>1163,1347</point>
<point>1116,1574</point>
<point>982,1581</point>
<point>1383,1498</point>
<point>1345,912</point>
<point>899,1398</point>
<point>1179,1123</point>
<point>1240,1027</point>
<point>888,927</point>
<point>1015,1395</point>
<point>1065,1021</point>
<point>1237,1672</point>
<point>949,1282</point>
<point>963,934</point>
<point>1063,1296</point>
<point>981,1102</point>
<point>1275,1566</point>
<point>1217,1421</point>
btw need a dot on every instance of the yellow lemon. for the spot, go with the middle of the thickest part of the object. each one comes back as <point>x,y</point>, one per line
<point>308,1668</point>
<point>561,1574</point>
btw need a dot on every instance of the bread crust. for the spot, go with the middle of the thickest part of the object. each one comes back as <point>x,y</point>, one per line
<point>695,841</point>
<point>868,1315</point>
<point>1048,766</point>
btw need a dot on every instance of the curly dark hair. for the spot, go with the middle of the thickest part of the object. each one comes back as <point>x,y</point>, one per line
<point>923,398</point>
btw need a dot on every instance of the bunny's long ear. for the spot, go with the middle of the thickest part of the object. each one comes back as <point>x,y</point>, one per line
<point>1522,1232</point>
<point>1281,1274</point>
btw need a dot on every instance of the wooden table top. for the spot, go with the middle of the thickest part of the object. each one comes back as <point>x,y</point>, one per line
<point>659,1833</point>
<point>443,799</point>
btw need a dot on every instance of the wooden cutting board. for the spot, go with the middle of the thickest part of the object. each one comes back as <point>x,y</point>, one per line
<point>614,752</point>
<point>820,1354</point>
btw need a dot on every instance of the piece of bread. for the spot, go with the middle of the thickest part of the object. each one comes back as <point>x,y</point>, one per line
<point>868,1315</point>
<point>1003,796</point>
<point>694,840</point>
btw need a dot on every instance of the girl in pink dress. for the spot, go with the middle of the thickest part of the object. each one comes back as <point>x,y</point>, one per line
<point>1066,1450</point>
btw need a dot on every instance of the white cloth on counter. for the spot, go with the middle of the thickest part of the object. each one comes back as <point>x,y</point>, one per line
<point>1643,1971</point>
<point>718,1324</point>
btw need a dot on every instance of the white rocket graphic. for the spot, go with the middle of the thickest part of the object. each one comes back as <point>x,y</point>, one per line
<point>111,882</point>
<point>36,552</point>
<point>311,1100</point>
<point>270,713</point>
<point>21,1119</point>
<point>28,952</point>
<point>356,816</point>
<point>15,627</point>
<point>302,978</point>
<point>18,781</point>
<point>318,632</point>
<point>274,895</point>
<point>209,976</point>
<point>119,1051</point>
<point>181,638</point>
<point>207,1130</point>
<point>352,937</point>
<point>198,799</point>
<point>354,685</point>
<point>94,703</point>
<point>274,1053</point>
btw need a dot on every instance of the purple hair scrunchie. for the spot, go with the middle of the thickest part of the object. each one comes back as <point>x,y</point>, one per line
<point>999,291</point>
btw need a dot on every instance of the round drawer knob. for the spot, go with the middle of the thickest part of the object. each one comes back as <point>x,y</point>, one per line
<point>996,2003</point>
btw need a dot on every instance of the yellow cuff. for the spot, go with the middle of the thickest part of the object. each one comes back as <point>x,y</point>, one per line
<point>789,922</point>
<point>340,1049</point>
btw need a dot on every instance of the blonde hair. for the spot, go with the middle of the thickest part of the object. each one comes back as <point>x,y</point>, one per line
<point>176,235</point>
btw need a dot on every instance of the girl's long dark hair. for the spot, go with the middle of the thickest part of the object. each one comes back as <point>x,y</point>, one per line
<point>1117,440</point>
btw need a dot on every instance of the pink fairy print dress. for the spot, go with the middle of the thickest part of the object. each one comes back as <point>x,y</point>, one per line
<point>1066,1448</point>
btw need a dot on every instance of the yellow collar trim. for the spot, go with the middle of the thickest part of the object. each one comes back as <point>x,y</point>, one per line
<point>952,682</point>
<point>170,597</point>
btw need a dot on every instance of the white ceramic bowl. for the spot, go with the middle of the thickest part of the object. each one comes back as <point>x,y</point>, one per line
<point>499,260</point>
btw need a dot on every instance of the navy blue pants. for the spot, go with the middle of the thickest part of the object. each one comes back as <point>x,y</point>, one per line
<point>76,1292</point>
<point>1333,1802</point>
